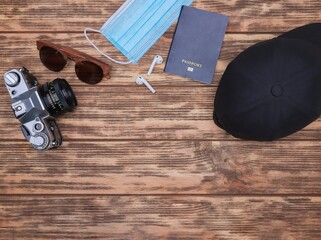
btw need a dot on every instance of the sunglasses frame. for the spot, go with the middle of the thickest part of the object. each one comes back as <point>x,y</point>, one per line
<point>69,53</point>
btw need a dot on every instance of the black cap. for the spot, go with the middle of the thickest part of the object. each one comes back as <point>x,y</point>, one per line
<point>310,33</point>
<point>270,90</point>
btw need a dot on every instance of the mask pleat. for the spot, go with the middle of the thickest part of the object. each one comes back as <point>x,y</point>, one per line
<point>128,19</point>
<point>116,15</point>
<point>138,24</point>
<point>139,52</point>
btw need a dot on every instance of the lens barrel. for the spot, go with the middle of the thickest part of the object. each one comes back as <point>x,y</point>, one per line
<point>58,97</point>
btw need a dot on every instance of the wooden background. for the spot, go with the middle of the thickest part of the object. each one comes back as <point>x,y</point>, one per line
<point>140,166</point>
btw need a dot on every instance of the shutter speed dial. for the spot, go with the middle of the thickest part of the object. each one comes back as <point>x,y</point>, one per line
<point>40,141</point>
<point>11,79</point>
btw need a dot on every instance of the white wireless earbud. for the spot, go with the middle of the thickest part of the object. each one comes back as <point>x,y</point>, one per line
<point>157,60</point>
<point>140,80</point>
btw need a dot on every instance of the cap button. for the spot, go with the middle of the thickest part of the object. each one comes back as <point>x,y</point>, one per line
<point>277,90</point>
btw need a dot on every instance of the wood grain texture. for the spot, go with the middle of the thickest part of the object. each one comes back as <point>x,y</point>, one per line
<point>132,113</point>
<point>152,217</point>
<point>141,166</point>
<point>162,167</point>
<point>117,108</point>
<point>245,15</point>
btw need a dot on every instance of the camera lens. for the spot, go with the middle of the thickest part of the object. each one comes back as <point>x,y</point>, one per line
<point>58,97</point>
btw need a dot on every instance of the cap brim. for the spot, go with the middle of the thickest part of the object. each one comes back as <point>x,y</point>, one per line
<point>309,33</point>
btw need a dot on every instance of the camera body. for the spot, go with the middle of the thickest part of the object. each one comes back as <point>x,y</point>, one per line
<point>36,106</point>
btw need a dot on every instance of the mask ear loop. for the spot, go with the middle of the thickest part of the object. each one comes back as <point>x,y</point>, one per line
<point>110,58</point>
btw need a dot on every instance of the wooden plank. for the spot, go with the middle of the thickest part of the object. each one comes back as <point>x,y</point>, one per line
<point>134,113</point>
<point>20,50</point>
<point>108,114</point>
<point>157,217</point>
<point>162,167</point>
<point>245,16</point>
<point>122,141</point>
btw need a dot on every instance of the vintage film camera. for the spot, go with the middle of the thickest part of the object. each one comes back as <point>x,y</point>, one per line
<point>36,106</point>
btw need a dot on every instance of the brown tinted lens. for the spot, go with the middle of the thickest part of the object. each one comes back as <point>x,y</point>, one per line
<point>89,72</point>
<point>52,59</point>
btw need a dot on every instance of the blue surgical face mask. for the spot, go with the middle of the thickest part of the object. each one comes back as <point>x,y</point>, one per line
<point>137,25</point>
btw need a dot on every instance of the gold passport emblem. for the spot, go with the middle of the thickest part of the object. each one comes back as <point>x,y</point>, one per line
<point>199,65</point>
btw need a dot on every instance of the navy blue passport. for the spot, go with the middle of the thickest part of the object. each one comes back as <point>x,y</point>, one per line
<point>196,44</point>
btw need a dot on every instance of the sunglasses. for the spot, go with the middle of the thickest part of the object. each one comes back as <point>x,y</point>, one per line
<point>88,69</point>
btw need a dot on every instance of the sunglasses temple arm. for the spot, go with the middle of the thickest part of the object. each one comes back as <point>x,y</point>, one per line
<point>111,59</point>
